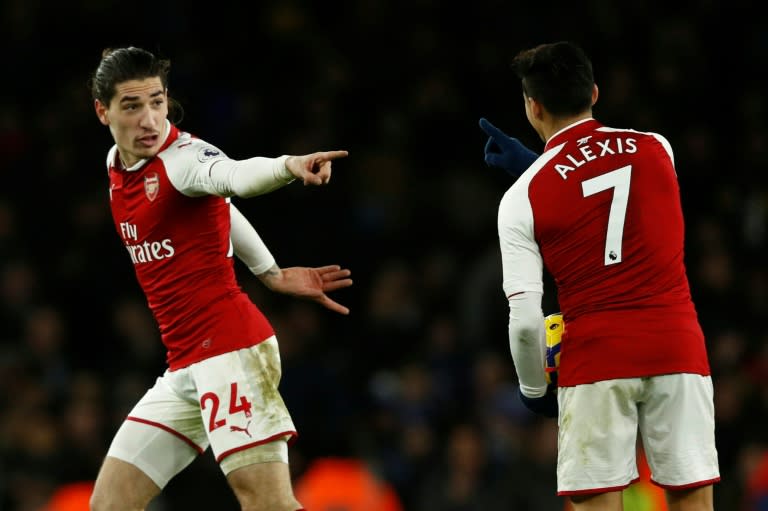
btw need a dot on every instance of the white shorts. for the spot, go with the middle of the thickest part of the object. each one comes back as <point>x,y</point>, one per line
<point>230,402</point>
<point>599,422</point>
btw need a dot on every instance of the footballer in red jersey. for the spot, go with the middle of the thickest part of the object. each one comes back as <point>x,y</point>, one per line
<point>600,211</point>
<point>171,199</point>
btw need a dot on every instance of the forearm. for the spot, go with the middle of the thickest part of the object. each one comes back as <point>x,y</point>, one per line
<point>527,342</point>
<point>251,177</point>
<point>248,245</point>
<point>272,278</point>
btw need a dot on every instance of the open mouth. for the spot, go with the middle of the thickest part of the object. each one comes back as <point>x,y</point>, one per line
<point>148,141</point>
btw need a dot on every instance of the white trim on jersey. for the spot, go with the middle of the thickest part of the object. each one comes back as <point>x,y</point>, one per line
<point>111,157</point>
<point>566,128</point>
<point>139,164</point>
<point>662,140</point>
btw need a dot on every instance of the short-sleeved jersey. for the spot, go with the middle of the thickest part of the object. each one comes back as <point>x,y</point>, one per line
<point>179,244</point>
<point>600,211</point>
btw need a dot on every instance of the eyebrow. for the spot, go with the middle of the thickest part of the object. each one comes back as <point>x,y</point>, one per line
<point>127,99</point>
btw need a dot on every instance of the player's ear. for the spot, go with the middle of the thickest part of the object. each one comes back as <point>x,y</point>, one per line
<point>595,94</point>
<point>101,112</point>
<point>537,111</point>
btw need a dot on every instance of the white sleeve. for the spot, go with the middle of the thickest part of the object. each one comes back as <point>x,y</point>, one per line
<point>522,264</point>
<point>247,243</point>
<point>248,178</point>
<point>197,168</point>
<point>527,342</point>
<point>522,269</point>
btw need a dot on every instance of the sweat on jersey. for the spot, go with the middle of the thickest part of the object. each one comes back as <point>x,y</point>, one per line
<point>178,240</point>
<point>600,210</point>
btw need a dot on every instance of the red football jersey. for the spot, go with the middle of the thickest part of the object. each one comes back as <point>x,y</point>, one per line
<point>600,210</point>
<point>180,247</point>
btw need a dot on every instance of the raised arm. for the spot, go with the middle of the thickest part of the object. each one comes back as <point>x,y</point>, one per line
<point>197,168</point>
<point>505,152</point>
<point>259,175</point>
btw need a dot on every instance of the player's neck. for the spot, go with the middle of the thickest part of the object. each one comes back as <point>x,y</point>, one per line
<point>555,125</point>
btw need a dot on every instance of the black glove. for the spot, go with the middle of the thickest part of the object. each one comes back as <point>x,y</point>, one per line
<point>505,152</point>
<point>545,405</point>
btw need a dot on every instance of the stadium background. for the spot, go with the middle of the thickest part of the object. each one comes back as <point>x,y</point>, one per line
<point>417,382</point>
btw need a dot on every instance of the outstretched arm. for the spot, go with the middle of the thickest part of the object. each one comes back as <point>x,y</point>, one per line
<point>260,175</point>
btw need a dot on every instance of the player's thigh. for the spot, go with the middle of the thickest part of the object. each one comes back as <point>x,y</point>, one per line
<point>264,486</point>
<point>677,426</point>
<point>164,431</point>
<point>122,486</point>
<point>597,436</point>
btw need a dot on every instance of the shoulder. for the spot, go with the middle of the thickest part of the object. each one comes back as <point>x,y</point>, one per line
<point>191,149</point>
<point>516,200</point>
<point>638,133</point>
<point>651,136</point>
<point>187,161</point>
<point>536,172</point>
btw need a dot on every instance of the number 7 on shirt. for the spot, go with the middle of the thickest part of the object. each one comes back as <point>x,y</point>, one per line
<point>618,180</point>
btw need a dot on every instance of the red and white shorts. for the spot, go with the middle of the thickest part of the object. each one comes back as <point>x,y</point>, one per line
<point>230,402</point>
<point>599,422</point>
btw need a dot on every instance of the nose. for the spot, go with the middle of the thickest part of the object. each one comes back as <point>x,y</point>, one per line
<point>148,119</point>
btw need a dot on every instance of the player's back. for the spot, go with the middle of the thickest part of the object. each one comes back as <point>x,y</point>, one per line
<point>609,224</point>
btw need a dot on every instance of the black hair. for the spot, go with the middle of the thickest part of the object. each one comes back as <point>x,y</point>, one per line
<point>557,75</point>
<point>119,65</point>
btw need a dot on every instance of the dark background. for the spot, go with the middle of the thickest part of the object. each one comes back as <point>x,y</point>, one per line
<point>418,380</point>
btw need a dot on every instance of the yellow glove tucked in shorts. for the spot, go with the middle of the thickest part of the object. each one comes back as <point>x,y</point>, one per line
<point>554,327</point>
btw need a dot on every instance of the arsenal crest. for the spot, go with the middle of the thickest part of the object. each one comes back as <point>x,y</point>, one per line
<point>151,185</point>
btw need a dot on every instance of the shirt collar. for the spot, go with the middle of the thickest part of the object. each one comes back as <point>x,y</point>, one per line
<point>580,126</point>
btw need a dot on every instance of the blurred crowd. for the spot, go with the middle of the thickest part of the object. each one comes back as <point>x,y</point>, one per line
<point>417,383</point>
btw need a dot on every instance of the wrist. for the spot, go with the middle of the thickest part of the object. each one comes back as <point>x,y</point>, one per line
<point>271,276</point>
<point>546,405</point>
<point>532,392</point>
<point>281,170</point>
